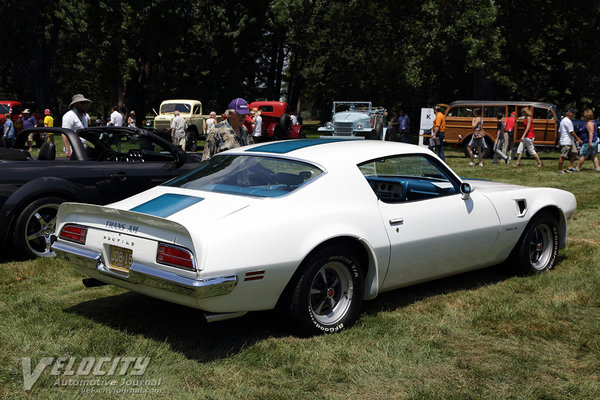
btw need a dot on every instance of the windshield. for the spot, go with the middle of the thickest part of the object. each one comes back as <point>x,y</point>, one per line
<point>340,106</point>
<point>248,176</point>
<point>4,109</point>
<point>171,107</point>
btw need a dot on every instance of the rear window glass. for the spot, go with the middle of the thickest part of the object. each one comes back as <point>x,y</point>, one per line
<point>266,108</point>
<point>243,175</point>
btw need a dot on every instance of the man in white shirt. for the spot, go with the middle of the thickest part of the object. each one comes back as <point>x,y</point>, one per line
<point>294,119</point>
<point>75,119</point>
<point>567,145</point>
<point>257,120</point>
<point>116,118</point>
<point>178,128</point>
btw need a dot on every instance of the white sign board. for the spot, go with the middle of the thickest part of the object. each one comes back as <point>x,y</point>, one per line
<point>427,117</point>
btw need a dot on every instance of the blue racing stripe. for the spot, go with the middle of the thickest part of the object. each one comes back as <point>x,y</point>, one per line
<point>166,204</point>
<point>285,146</point>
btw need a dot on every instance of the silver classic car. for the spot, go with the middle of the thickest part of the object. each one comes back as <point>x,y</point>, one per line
<point>356,119</point>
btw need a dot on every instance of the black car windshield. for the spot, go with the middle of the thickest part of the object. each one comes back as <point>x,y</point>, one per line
<point>172,107</point>
<point>248,176</point>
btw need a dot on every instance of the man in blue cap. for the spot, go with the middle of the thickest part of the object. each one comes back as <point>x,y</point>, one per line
<point>230,133</point>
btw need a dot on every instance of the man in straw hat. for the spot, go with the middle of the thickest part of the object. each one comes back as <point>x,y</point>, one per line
<point>75,118</point>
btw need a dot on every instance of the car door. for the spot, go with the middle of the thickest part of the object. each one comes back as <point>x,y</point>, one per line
<point>133,162</point>
<point>433,232</point>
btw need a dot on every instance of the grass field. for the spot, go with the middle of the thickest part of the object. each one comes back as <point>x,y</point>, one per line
<point>489,334</point>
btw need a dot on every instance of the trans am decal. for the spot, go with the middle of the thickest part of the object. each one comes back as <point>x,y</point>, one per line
<point>166,204</point>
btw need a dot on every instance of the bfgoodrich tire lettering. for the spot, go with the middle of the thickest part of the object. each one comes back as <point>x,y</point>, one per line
<point>537,248</point>
<point>327,296</point>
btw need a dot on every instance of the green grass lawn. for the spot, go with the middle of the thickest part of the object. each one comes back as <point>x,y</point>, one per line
<point>489,334</point>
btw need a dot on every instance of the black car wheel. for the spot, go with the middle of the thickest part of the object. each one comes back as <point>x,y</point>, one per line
<point>327,296</point>
<point>34,227</point>
<point>538,246</point>
<point>192,141</point>
<point>284,126</point>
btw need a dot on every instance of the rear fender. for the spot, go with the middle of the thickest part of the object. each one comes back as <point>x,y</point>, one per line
<point>271,129</point>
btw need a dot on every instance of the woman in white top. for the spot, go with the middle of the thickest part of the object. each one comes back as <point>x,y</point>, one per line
<point>210,121</point>
<point>131,119</point>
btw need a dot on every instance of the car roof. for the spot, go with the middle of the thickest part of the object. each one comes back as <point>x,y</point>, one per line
<point>332,151</point>
<point>501,103</point>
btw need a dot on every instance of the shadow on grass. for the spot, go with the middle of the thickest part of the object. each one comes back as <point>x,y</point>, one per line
<point>467,281</point>
<point>185,330</point>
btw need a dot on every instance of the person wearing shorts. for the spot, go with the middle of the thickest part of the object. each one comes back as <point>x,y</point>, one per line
<point>477,138</point>
<point>568,149</point>
<point>589,137</point>
<point>527,139</point>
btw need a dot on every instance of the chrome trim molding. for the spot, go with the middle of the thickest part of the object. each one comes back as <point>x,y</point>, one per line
<point>87,261</point>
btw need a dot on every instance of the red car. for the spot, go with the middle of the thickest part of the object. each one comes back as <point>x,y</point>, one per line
<point>276,121</point>
<point>15,109</point>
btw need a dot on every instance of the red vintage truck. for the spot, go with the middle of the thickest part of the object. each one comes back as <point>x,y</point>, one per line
<point>15,109</point>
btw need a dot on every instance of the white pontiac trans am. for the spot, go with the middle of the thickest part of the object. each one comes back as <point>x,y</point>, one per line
<point>312,227</point>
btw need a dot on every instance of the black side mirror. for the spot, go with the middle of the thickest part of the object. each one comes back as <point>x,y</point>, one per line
<point>465,190</point>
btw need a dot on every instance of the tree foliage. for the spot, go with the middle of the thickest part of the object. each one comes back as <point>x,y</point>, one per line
<point>309,52</point>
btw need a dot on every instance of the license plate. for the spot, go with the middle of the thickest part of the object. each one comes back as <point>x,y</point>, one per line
<point>120,258</point>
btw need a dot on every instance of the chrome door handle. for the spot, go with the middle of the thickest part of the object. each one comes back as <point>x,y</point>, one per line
<point>396,221</point>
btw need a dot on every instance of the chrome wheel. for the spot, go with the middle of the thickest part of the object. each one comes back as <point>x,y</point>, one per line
<point>39,227</point>
<point>326,295</point>
<point>541,247</point>
<point>538,246</point>
<point>331,293</point>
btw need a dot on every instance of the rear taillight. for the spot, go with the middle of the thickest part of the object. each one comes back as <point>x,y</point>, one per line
<point>175,256</point>
<point>73,233</point>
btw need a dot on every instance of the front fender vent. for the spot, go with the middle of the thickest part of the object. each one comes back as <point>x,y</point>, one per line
<point>522,206</point>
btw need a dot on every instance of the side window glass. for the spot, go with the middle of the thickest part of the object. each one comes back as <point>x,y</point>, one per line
<point>408,178</point>
<point>492,111</point>
<point>542,113</point>
<point>519,115</point>
<point>461,111</point>
<point>16,109</point>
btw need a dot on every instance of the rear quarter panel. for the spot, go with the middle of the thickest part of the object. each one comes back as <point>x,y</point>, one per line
<point>276,235</point>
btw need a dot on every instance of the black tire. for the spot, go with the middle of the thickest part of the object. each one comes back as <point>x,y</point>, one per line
<point>34,227</point>
<point>537,248</point>
<point>192,140</point>
<point>284,126</point>
<point>327,295</point>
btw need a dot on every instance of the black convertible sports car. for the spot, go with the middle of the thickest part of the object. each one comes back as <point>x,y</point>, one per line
<point>107,164</point>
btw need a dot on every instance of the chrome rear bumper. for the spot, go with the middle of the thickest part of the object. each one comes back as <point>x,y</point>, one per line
<point>90,263</point>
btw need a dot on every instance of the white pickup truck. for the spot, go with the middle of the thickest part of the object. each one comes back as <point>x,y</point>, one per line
<point>191,111</point>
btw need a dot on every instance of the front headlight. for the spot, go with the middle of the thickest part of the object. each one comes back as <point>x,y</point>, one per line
<point>359,126</point>
<point>329,125</point>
